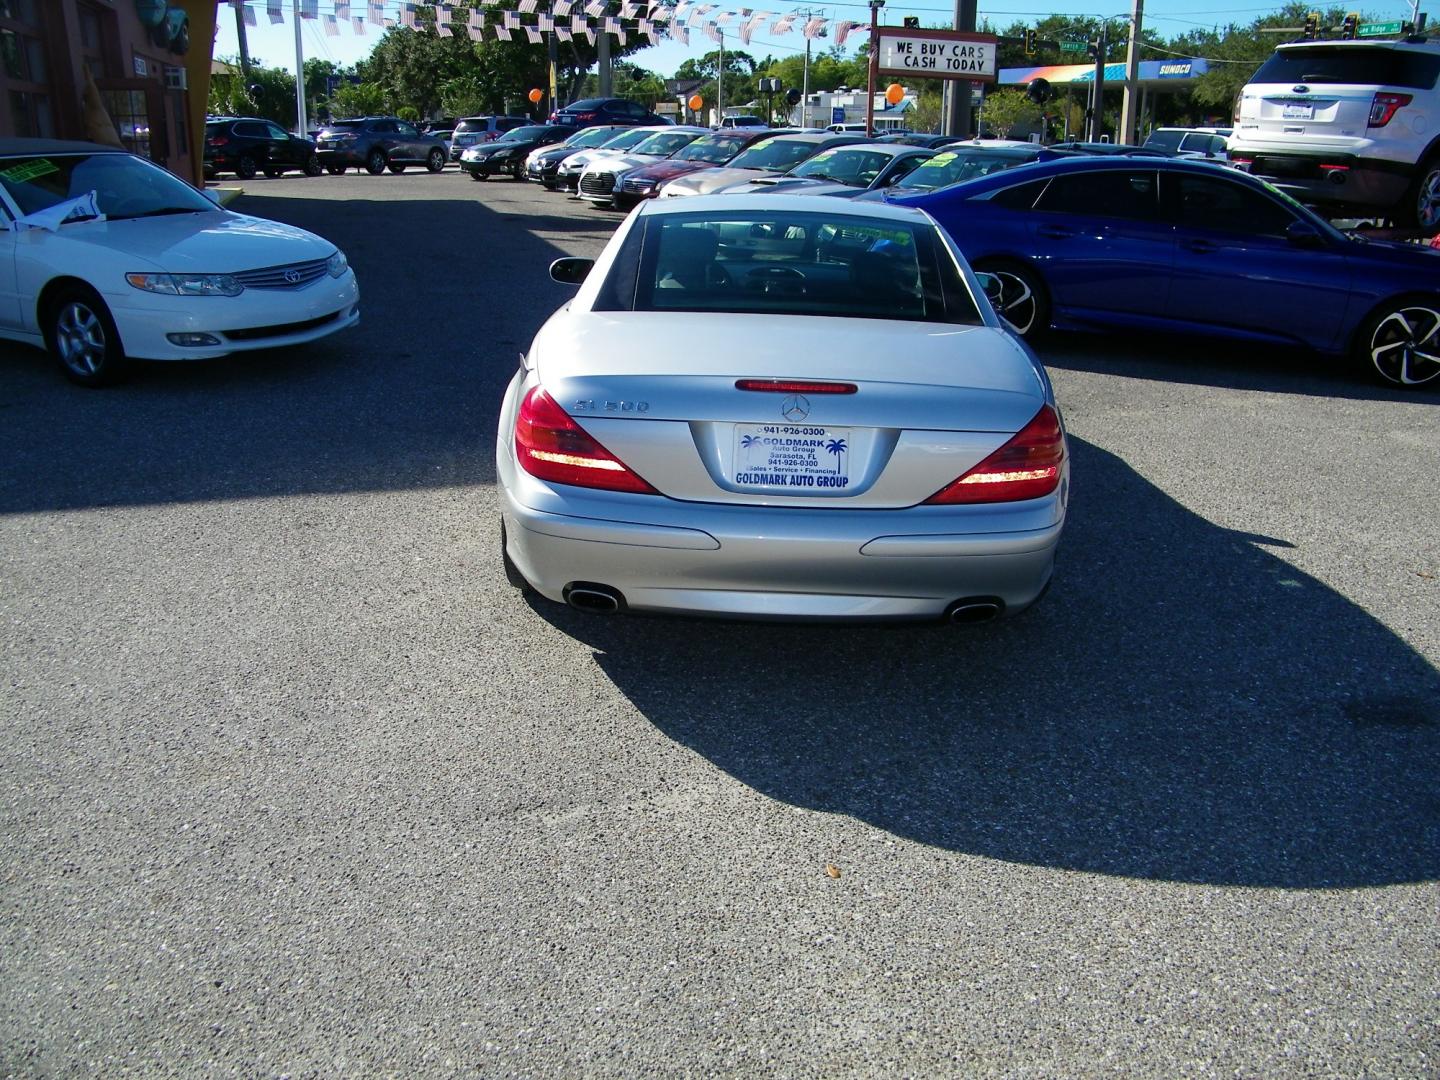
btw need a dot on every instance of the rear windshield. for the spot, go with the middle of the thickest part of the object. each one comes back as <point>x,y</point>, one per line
<point>586,105</point>
<point>790,263</point>
<point>1351,66</point>
<point>777,154</point>
<point>480,124</point>
<point>346,125</point>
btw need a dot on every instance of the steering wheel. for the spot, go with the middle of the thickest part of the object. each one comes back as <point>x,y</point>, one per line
<point>784,280</point>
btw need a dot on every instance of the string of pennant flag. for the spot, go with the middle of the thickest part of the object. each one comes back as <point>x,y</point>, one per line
<point>566,19</point>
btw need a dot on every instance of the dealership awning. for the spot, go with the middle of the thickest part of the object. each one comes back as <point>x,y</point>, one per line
<point>1153,73</point>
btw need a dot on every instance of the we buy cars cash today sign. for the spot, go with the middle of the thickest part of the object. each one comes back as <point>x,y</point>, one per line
<point>936,54</point>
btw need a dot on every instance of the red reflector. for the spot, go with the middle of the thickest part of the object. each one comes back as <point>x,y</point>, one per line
<point>551,446</point>
<point>795,386</point>
<point>1336,168</point>
<point>1026,467</point>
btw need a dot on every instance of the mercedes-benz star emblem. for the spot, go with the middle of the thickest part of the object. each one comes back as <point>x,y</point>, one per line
<point>292,276</point>
<point>795,408</point>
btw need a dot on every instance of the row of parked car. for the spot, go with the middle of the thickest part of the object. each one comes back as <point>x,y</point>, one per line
<point>1078,237</point>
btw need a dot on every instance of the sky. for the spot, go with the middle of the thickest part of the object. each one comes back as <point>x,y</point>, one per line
<point>275,45</point>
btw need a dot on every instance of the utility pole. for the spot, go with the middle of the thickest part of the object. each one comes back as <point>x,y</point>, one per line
<point>301,122</point>
<point>720,81</point>
<point>807,15</point>
<point>1097,114</point>
<point>874,68</point>
<point>552,49</point>
<point>245,45</point>
<point>1129,108</point>
<point>605,73</point>
<point>957,91</point>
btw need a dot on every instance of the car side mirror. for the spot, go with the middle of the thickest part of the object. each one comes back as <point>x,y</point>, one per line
<point>1304,235</point>
<point>992,287</point>
<point>213,194</point>
<point>571,271</point>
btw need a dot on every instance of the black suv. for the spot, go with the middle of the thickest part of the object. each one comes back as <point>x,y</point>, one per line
<point>378,143</point>
<point>594,111</point>
<point>246,145</point>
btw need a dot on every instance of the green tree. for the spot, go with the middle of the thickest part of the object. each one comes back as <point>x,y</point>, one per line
<point>358,99</point>
<point>1006,110</point>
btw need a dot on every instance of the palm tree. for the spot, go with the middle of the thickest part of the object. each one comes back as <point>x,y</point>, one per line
<point>836,447</point>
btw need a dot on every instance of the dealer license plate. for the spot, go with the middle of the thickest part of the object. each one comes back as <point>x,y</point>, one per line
<point>792,457</point>
<point>1299,112</point>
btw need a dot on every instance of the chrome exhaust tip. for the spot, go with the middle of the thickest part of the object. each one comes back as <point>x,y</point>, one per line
<point>593,599</point>
<point>974,609</point>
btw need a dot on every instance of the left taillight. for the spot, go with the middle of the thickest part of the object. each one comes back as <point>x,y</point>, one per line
<point>1026,467</point>
<point>549,445</point>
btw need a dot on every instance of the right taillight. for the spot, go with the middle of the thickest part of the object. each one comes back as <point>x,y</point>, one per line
<point>551,446</point>
<point>1026,467</point>
<point>1386,106</point>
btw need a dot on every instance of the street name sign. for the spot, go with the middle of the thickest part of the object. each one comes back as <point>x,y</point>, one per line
<point>936,54</point>
<point>1379,29</point>
<point>1073,46</point>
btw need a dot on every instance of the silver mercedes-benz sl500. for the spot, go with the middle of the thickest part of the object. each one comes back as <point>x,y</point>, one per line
<point>781,407</point>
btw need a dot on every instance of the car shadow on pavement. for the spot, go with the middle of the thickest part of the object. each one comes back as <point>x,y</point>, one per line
<point>1184,705</point>
<point>409,398</point>
<point>1234,365</point>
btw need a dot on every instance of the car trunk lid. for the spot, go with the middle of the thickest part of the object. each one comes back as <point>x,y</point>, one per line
<point>884,417</point>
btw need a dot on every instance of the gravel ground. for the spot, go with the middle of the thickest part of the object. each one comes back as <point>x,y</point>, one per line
<point>292,784</point>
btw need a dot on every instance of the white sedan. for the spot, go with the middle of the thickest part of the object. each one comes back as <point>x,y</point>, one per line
<point>108,257</point>
<point>784,407</point>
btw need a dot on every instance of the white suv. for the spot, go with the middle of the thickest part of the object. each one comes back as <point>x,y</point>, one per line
<point>1353,126</point>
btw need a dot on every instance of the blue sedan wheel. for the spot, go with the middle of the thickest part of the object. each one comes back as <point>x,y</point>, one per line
<point>1402,344</point>
<point>1024,303</point>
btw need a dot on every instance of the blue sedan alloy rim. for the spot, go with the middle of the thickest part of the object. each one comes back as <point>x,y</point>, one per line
<point>1427,208</point>
<point>1017,302</point>
<point>1405,346</point>
<point>80,338</point>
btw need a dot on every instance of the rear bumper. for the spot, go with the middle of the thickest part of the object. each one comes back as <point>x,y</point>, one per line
<point>663,555</point>
<point>1345,181</point>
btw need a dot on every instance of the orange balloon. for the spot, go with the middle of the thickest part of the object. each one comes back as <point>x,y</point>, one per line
<point>894,93</point>
<point>696,102</point>
<point>536,95</point>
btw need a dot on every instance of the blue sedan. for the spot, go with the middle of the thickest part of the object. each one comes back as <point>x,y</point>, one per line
<point>1192,248</point>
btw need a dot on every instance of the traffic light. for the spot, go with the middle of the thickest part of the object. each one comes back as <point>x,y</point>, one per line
<point>1350,26</point>
<point>1312,26</point>
<point>911,22</point>
<point>1029,42</point>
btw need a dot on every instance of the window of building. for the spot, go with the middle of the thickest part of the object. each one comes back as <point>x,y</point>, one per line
<point>128,109</point>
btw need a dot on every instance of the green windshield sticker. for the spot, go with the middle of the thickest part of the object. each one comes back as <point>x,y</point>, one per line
<point>29,170</point>
<point>939,159</point>
<point>823,155</point>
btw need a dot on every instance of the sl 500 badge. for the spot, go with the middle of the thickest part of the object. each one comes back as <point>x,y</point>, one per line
<point>591,405</point>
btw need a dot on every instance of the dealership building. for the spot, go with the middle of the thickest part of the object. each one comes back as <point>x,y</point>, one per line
<point>70,67</point>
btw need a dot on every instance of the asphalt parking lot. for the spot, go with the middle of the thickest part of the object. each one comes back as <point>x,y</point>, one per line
<point>291,783</point>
